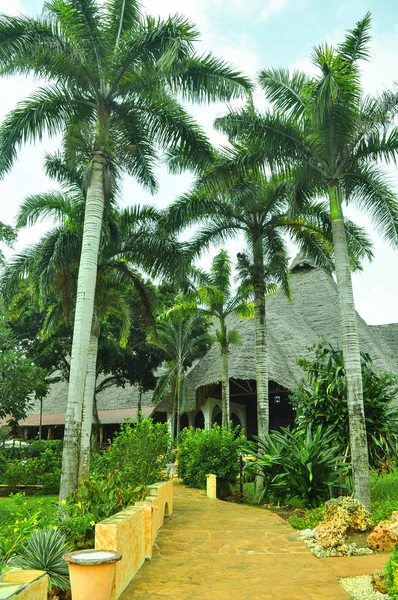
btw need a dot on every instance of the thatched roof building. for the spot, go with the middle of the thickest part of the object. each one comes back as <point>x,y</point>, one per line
<point>292,327</point>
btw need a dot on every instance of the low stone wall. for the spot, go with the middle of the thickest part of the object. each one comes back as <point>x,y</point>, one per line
<point>132,533</point>
<point>24,585</point>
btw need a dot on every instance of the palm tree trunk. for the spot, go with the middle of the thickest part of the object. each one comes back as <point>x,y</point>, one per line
<point>87,412</point>
<point>260,336</point>
<point>351,352</point>
<point>224,386</point>
<point>84,306</point>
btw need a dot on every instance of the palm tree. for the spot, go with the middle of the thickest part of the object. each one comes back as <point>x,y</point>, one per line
<point>183,338</point>
<point>227,203</point>
<point>215,299</point>
<point>113,74</point>
<point>51,266</point>
<point>332,137</point>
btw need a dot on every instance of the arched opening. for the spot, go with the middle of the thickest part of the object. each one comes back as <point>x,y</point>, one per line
<point>199,420</point>
<point>216,416</point>
<point>184,421</point>
<point>235,420</point>
<point>166,510</point>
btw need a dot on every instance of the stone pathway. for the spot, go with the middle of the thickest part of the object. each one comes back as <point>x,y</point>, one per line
<point>214,550</point>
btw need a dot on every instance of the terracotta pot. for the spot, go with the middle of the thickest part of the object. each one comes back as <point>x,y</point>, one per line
<point>92,573</point>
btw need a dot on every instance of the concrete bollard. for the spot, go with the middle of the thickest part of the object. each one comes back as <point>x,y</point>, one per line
<point>211,486</point>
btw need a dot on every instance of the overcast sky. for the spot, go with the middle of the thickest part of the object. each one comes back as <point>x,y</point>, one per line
<point>251,34</point>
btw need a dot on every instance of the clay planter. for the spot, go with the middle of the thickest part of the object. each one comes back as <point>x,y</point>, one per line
<point>92,573</point>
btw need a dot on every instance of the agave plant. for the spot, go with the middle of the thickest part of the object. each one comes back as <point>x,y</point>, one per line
<point>44,551</point>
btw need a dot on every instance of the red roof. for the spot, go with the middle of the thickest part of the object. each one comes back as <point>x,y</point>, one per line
<point>105,417</point>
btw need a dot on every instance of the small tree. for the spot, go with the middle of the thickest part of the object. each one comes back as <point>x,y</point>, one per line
<point>321,399</point>
<point>20,378</point>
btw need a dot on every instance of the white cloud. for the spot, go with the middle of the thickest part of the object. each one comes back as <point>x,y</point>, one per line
<point>11,7</point>
<point>273,7</point>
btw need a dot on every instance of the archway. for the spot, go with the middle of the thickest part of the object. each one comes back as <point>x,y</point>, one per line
<point>216,416</point>
<point>199,420</point>
<point>235,420</point>
<point>184,421</point>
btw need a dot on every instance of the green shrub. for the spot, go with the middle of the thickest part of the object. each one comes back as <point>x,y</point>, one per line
<point>98,497</point>
<point>203,451</point>
<point>43,551</point>
<point>50,482</point>
<point>138,453</point>
<point>381,510</point>
<point>321,399</point>
<point>3,466</point>
<point>309,520</point>
<point>297,464</point>
<point>391,574</point>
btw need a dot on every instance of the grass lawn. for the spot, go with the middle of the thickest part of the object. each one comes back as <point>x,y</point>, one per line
<point>19,506</point>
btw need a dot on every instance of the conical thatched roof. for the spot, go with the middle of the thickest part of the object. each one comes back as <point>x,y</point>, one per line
<point>292,327</point>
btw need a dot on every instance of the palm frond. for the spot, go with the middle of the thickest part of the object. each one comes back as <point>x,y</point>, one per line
<point>286,92</point>
<point>356,44</point>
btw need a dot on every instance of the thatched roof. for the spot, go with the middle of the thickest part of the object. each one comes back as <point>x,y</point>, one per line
<point>292,327</point>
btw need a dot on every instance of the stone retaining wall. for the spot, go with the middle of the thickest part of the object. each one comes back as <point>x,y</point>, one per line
<point>24,585</point>
<point>132,533</point>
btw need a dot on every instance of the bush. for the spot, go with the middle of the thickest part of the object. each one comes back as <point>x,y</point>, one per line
<point>297,464</point>
<point>309,520</point>
<point>321,399</point>
<point>50,482</point>
<point>203,451</point>
<point>391,574</point>
<point>97,498</point>
<point>43,552</point>
<point>138,453</point>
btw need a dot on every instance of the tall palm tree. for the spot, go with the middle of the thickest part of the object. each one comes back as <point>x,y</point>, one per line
<point>332,137</point>
<point>215,299</point>
<point>183,338</point>
<point>114,74</point>
<point>129,240</point>
<point>227,203</point>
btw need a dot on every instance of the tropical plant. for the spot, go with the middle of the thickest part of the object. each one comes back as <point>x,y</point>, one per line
<point>114,78</point>
<point>204,451</point>
<point>43,552</point>
<point>321,399</point>
<point>331,137</point>
<point>215,299</point>
<point>50,269</point>
<point>19,377</point>
<point>138,452</point>
<point>7,236</point>
<point>183,338</point>
<point>302,464</point>
<point>227,202</point>
<point>391,574</point>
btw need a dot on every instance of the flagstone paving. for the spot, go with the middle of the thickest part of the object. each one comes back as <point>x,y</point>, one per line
<point>210,550</point>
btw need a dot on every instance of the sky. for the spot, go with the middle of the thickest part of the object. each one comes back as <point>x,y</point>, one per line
<point>250,34</point>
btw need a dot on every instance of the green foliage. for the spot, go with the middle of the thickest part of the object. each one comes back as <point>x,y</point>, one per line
<point>16,535</point>
<point>204,451</point>
<point>309,520</point>
<point>138,452</point>
<point>321,399</point>
<point>391,574</point>
<point>302,464</point>
<point>19,377</point>
<point>42,468</point>
<point>98,497</point>
<point>43,551</point>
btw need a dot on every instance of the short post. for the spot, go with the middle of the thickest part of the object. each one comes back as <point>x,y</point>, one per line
<point>211,486</point>
<point>240,473</point>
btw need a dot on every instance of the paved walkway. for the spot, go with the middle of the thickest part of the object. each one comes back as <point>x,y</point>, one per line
<point>214,550</point>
